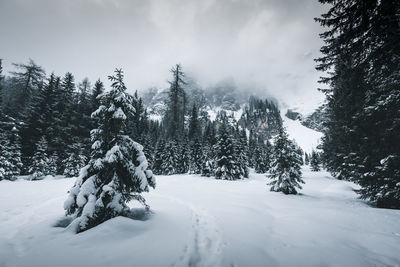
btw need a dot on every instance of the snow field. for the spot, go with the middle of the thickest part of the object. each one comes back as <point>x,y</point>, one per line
<point>198,221</point>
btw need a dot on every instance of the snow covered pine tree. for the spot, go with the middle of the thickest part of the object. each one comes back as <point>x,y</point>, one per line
<point>117,170</point>
<point>285,168</point>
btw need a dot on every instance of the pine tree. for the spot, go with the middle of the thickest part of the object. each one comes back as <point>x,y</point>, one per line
<point>75,160</point>
<point>158,157</point>
<point>40,119</point>
<point>175,115</point>
<point>361,140</point>
<point>315,161</point>
<point>184,157</point>
<point>39,167</point>
<point>171,159</point>
<point>194,125</point>
<point>117,169</point>
<point>15,153</point>
<point>5,164</point>
<point>242,153</point>
<point>226,166</point>
<point>27,81</point>
<point>196,157</point>
<point>306,159</point>
<point>63,116</point>
<point>286,165</point>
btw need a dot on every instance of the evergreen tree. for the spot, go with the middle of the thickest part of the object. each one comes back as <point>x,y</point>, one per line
<point>63,116</point>
<point>184,157</point>
<point>171,159</point>
<point>194,124</point>
<point>39,167</point>
<point>361,140</point>
<point>196,157</point>
<point>75,160</point>
<point>40,120</point>
<point>242,154</point>
<point>14,149</point>
<point>5,164</point>
<point>27,81</point>
<point>226,166</point>
<point>117,169</point>
<point>285,169</point>
<point>159,157</point>
<point>315,162</point>
<point>175,115</point>
<point>306,159</point>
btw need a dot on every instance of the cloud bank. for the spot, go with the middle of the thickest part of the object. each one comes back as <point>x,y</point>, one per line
<point>266,46</point>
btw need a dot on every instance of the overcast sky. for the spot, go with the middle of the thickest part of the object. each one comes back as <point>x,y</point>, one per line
<point>267,46</point>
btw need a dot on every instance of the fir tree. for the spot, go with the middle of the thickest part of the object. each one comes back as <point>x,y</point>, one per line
<point>175,115</point>
<point>196,157</point>
<point>26,81</point>
<point>117,169</point>
<point>15,153</point>
<point>159,157</point>
<point>306,159</point>
<point>226,166</point>
<point>171,159</point>
<point>39,167</point>
<point>75,160</point>
<point>361,140</point>
<point>194,124</point>
<point>315,161</point>
<point>285,169</point>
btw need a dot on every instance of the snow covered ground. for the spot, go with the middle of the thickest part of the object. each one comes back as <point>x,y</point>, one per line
<point>200,221</point>
<point>308,139</point>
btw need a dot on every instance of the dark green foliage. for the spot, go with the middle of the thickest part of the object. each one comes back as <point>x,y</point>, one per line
<point>361,141</point>
<point>315,161</point>
<point>175,116</point>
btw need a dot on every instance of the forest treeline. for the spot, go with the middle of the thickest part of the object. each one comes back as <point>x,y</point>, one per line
<point>46,123</point>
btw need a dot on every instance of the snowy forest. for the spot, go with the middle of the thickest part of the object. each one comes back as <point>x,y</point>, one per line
<point>104,174</point>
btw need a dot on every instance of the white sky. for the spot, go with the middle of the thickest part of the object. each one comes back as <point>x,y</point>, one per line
<point>266,46</point>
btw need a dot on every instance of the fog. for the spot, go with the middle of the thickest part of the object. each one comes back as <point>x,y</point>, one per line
<point>265,46</point>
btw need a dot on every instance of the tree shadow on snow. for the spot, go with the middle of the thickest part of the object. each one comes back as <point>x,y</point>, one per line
<point>140,214</point>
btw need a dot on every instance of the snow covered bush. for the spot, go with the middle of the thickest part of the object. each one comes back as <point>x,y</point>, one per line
<point>117,170</point>
<point>285,168</point>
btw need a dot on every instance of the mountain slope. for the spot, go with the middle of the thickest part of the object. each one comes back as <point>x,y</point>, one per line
<point>306,138</point>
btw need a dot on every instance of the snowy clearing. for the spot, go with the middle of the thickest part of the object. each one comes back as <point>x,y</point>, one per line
<point>200,221</point>
<point>308,139</point>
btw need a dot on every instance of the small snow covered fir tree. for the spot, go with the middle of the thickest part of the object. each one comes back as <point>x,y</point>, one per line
<point>117,170</point>
<point>75,161</point>
<point>285,168</point>
<point>226,166</point>
<point>10,154</point>
<point>39,167</point>
<point>315,162</point>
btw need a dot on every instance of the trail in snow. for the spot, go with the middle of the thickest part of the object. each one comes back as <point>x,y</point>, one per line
<point>205,246</point>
